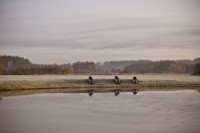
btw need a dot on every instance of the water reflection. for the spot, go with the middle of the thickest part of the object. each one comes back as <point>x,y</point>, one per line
<point>135,91</point>
<point>116,91</point>
<point>90,91</point>
<point>79,112</point>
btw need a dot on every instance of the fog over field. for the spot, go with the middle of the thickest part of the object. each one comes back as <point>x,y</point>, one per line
<point>59,31</point>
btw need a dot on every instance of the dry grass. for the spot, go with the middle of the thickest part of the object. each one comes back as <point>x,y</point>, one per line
<point>24,85</point>
<point>30,82</point>
<point>177,77</point>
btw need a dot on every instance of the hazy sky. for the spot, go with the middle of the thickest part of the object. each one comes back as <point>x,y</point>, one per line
<point>59,31</point>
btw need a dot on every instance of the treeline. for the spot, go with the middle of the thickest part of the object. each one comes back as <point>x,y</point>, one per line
<point>197,69</point>
<point>14,65</point>
<point>39,69</point>
<point>15,62</point>
<point>160,67</point>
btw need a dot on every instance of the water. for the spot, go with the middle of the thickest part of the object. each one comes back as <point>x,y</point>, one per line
<point>146,112</point>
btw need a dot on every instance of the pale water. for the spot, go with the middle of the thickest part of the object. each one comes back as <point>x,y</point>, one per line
<point>146,112</point>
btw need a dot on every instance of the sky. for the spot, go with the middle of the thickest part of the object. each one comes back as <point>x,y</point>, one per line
<point>62,31</point>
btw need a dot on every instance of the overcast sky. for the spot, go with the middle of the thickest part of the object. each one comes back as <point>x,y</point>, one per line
<point>60,31</point>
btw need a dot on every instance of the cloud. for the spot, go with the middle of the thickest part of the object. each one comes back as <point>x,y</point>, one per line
<point>104,29</point>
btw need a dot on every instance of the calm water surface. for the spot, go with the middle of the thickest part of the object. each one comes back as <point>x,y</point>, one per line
<point>146,112</point>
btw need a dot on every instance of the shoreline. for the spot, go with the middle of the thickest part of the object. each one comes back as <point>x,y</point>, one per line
<point>98,83</point>
<point>86,90</point>
<point>102,83</point>
<point>16,88</point>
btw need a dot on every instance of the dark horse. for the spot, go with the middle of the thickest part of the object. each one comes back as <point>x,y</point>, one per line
<point>135,81</point>
<point>117,80</point>
<point>90,80</point>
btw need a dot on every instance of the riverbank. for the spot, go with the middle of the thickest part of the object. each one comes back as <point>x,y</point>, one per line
<point>99,83</point>
<point>78,83</point>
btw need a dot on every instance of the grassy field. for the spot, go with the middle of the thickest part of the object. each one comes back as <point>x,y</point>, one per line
<point>33,84</point>
<point>176,77</point>
<point>22,82</point>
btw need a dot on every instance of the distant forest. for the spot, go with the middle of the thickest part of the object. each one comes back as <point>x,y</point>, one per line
<point>14,65</point>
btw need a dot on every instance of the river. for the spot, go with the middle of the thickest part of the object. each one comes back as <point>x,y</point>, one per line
<point>146,112</point>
